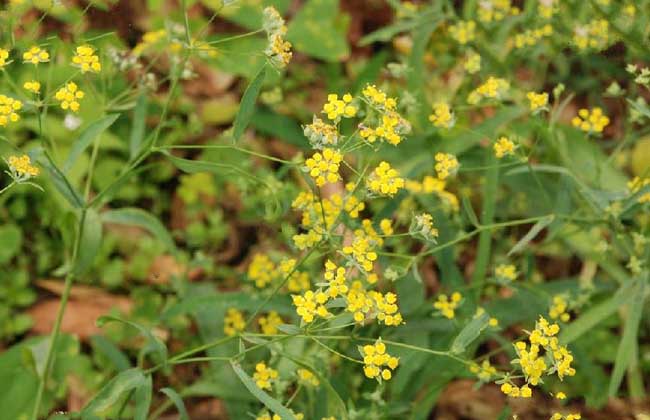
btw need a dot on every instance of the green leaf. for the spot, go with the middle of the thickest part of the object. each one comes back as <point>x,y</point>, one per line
<point>319,31</point>
<point>58,178</point>
<point>91,240</point>
<point>101,345</point>
<point>532,233</point>
<point>143,395</point>
<point>178,402</point>
<point>247,105</point>
<point>285,128</point>
<point>113,392</point>
<point>470,333</point>
<point>628,348</point>
<point>139,125</point>
<point>270,402</point>
<point>11,240</point>
<point>137,217</point>
<point>86,138</point>
<point>598,313</point>
<point>239,300</point>
<point>152,345</point>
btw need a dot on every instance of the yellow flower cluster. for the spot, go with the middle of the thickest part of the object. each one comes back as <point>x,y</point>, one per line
<point>504,146</point>
<point>234,322</point>
<point>558,416</point>
<point>446,165</point>
<point>361,251</point>
<point>269,323</point>
<point>433,185</point>
<point>298,280</point>
<point>594,35</point>
<point>391,126</point>
<point>324,168</point>
<point>495,10</point>
<point>367,304</point>
<point>336,108</point>
<point>9,108</point>
<point>4,56</point>
<point>261,270</point>
<point>423,226</point>
<point>264,376</point>
<point>377,362</point>
<point>386,227</point>
<point>335,277</point>
<point>531,37</point>
<point>547,8</point>
<point>36,55</point>
<point>559,309</point>
<point>538,101</point>
<point>379,98</point>
<point>278,49</point>
<point>149,39</point>
<point>321,134</point>
<point>493,88</point>
<point>463,31</point>
<point>21,167</point>
<point>447,307</point>
<point>267,416</point>
<point>485,371</point>
<point>69,96</point>
<point>442,115</point>
<point>86,59</point>
<point>506,272</point>
<point>516,392</point>
<point>311,304</point>
<point>593,121</point>
<point>307,377</point>
<point>385,180</point>
<point>32,86</point>
<point>636,184</point>
<point>472,63</point>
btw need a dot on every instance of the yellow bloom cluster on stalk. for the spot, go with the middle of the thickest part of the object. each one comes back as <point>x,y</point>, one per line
<point>336,108</point>
<point>278,50</point>
<point>234,322</point>
<point>484,372</point>
<point>324,167</point>
<point>493,88</point>
<point>307,377</point>
<point>32,86</point>
<point>386,227</point>
<point>298,280</point>
<point>4,56</point>
<point>559,416</point>
<point>442,116</point>
<point>36,55</point>
<point>496,10</point>
<point>538,101</point>
<point>310,304</point>
<point>446,165</point>
<point>503,147</point>
<point>261,270</point>
<point>542,355</point>
<point>594,35</point>
<point>434,185</point>
<point>86,59</point>
<point>531,37</point>
<point>636,184</point>
<point>472,63</point>
<point>321,134</point>
<point>264,376</point>
<point>506,272</point>
<point>446,306</point>
<point>377,362</point>
<point>559,308</point>
<point>385,180</point>
<point>269,323</point>
<point>267,416</point>
<point>390,125</point>
<point>148,40</point>
<point>422,226</point>
<point>547,8</point>
<point>9,108</point>
<point>21,168</point>
<point>69,96</point>
<point>593,121</point>
<point>463,31</point>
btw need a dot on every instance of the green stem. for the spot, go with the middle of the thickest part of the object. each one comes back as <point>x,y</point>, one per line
<point>7,187</point>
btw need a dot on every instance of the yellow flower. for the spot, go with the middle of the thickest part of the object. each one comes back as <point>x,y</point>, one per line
<point>36,55</point>
<point>86,59</point>
<point>538,101</point>
<point>503,147</point>
<point>385,180</point>
<point>442,115</point>
<point>310,304</point>
<point>546,8</point>
<point>634,186</point>
<point>69,96</point>
<point>485,371</point>
<point>321,134</point>
<point>362,252</point>
<point>324,168</point>
<point>422,225</point>
<point>307,377</point>
<point>593,121</point>
<point>472,63</point>
<point>379,98</point>
<point>32,86</point>
<point>298,281</point>
<point>148,39</point>
<point>377,362</point>
<point>446,165</point>
<point>233,322</point>
<point>264,376</point>
<point>530,37</point>
<point>4,55</point>
<point>506,272</point>
<point>386,227</point>
<point>560,395</point>
<point>261,270</point>
<point>495,10</point>
<point>559,416</point>
<point>336,108</point>
<point>463,31</point>
<point>278,49</point>
<point>21,168</point>
<point>9,108</point>
<point>559,309</point>
<point>493,88</point>
<point>594,35</point>
<point>446,306</point>
<point>269,324</point>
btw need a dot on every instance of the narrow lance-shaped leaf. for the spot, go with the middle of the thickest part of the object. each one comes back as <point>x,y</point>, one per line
<point>137,217</point>
<point>91,240</point>
<point>532,233</point>
<point>178,402</point>
<point>153,343</point>
<point>113,392</point>
<point>57,177</point>
<point>86,138</point>
<point>247,106</point>
<point>139,125</point>
<point>470,333</point>
<point>143,399</point>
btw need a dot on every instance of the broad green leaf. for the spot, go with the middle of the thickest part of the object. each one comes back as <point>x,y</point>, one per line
<point>592,317</point>
<point>270,402</point>
<point>91,240</point>
<point>112,393</point>
<point>139,125</point>
<point>532,234</point>
<point>318,30</point>
<point>247,106</point>
<point>86,138</point>
<point>137,217</point>
<point>270,123</point>
<point>470,333</point>
<point>58,178</point>
<point>153,344</point>
<point>628,348</point>
<point>178,402</point>
<point>142,397</point>
<point>101,345</point>
<point>11,240</point>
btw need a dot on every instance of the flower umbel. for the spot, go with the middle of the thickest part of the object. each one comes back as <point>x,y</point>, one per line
<point>377,362</point>
<point>69,96</point>
<point>86,59</point>
<point>593,121</point>
<point>36,55</point>
<point>9,108</point>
